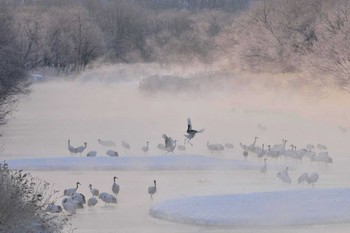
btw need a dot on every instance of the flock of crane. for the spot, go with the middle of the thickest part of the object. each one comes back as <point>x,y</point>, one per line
<point>73,200</point>
<point>280,150</point>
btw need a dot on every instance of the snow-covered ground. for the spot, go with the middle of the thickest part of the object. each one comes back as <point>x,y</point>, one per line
<point>194,181</point>
<point>297,207</point>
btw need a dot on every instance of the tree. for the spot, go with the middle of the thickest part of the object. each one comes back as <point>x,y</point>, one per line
<point>13,82</point>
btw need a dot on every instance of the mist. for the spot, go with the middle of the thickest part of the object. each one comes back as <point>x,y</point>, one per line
<point>110,103</point>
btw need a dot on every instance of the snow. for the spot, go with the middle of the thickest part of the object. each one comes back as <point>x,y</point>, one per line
<point>295,207</point>
<point>161,162</point>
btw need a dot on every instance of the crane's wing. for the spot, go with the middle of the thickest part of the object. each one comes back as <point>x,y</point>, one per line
<point>189,125</point>
<point>167,140</point>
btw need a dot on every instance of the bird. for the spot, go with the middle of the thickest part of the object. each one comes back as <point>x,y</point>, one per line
<point>115,186</point>
<point>284,176</point>
<point>229,146</point>
<point>108,198</point>
<point>106,142</point>
<point>80,149</point>
<point>78,198</point>
<point>94,191</point>
<point>262,152</point>
<point>313,178</point>
<point>69,192</point>
<point>264,168</point>
<point>126,145</point>
<point>322,157</point>
<point>92,202</point>
<point>191,132</point>
<point>52,208</point>
<point>181,147</point>
<point>321,147</point>
<point>112,153</point>
<point>152,189</point>
<point>91,153</point>
<point>145,148</point>
<point>215,147</point>
<point>69,206</point>
<point>170,144</point>
<point>71,148</point>
<point>309,147</point>
<point>245,154</point>
<point>252,146</point>
<point>303,178</point>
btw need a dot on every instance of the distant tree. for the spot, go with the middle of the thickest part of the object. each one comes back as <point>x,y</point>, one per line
<point>12,70</point>
<point>332,50</point>
<point>73,39</point>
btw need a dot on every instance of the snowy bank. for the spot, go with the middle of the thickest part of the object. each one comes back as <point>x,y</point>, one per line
<point>164,162</point>
<point>296,207</point>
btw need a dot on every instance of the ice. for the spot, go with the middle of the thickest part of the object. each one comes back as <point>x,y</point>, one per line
<point>295,207</point>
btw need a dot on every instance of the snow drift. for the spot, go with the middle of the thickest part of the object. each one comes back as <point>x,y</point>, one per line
<point>296,207</point>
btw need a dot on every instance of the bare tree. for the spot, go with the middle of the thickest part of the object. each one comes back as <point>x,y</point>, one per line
<point>12,71</point>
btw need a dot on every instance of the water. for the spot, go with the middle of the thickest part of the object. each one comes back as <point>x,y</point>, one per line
<point>86,111</point>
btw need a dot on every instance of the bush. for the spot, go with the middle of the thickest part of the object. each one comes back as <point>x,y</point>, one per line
<point>23,204</point>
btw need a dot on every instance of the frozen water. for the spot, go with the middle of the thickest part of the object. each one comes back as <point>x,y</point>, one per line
<point>297,207</point>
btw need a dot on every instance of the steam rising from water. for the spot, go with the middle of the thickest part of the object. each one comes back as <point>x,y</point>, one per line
<point>107,103</point>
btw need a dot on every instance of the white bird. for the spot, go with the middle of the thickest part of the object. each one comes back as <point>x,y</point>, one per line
<point>92,202</point>
<point>309,147</point>
<point>284,176</point>
<point>215,147</point>
<point>91,153</point>
<point>322,157</point>
<point>108,198</point>
<point>229,146</point>
<point>52,208</point>
<point>303,177</point>
<point>115,186</point>
<point>321,147</point>
<point>94,191</point>
<point>191,132</point>
<point>313,178</point>
<point>170,144</point>
<point>145,148</point>
<point>80,149</point>
<point>252,146</point>
<point>71,148</point>
<point>262,152</point>
<point>152,189</point>
<point>126,145</point>
<point>244,147</point>
<point>264,168</point>
<point>181,147</point>
<point>245,154</point>
<point>69,206</point>
<point>79,198</point>
<point>106,142</point>
<point>69,192</point>
<point>112,153</point>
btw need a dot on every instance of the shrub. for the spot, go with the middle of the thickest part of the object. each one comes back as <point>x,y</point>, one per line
<point>23,204</point>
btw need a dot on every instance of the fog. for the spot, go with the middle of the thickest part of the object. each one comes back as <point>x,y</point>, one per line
<point>110,103</point>
<point>107,103</point>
